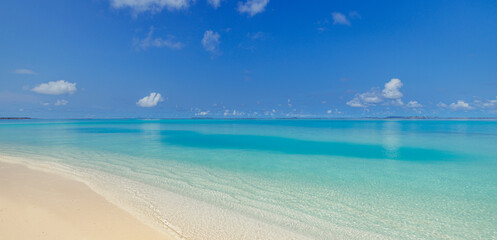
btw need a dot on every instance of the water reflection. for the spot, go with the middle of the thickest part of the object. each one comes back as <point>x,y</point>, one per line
<point>391,131</point>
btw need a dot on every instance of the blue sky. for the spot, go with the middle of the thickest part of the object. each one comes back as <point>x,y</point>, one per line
<point>255,58</point>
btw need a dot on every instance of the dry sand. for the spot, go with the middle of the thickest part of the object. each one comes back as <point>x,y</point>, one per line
<point>40,205</point>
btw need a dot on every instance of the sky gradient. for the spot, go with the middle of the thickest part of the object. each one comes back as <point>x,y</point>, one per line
<point>255,58</point>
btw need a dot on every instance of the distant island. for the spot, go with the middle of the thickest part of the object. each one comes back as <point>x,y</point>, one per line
<point>14,118</point>
<point>277,118</point>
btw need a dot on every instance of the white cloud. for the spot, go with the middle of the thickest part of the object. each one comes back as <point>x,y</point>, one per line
<point>153,6</point>
<point>211,41</point>
<point>252,7</point>
<point>460,105</point>
<point>397,102</point>
<point>55,88</point>
<point>235,113</point>
<point>24,71</point>
<point>442,105</point>
<point>340,18</point>
<point>329,111</point>
<point>355,102</point>
<point>414,104</point>
<point>371,97</point>
<point>490,103</point>
<point>214,3</point>
<point>150,101</point>
<point>61,102</point>
<point>391,92</point>
<point>202,113</point>
<point>486,104</point>
<point>149,41</point>
<point>392,89</point>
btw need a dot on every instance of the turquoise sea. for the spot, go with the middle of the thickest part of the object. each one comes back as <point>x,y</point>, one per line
<point>280,179</point>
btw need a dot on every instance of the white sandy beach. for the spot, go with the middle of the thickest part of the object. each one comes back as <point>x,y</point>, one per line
<point>40,205</point>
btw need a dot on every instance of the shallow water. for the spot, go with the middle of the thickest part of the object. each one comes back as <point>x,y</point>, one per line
<point>279,179</point>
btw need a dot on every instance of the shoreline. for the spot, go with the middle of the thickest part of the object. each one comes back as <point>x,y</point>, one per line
<point>196,214</point>
<point>37,204</point>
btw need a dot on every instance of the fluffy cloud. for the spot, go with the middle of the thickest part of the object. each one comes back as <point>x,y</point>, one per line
<point>214,3</point>
<point>211,41</point>
<point>340,18</point>
<point>252,7</point>
<point>149,41</point>
<point>397,102</point>
<point>414,104</point>
<point>490,103</point>
<point>486,103</point>
<point>153,6</point>
<point>476,104</point>
<point>55,88</point>
<point>61,102</point>
<point>442,105</point>
<point>150,101</point>
<point>24,71</point>
<point>390,95</point>
<point>392,89</point>
<point>370,98</point>
<point>459,105</point>
<point>355,102</point>
<point>202,113</point>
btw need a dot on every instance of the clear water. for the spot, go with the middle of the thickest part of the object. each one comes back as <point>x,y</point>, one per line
<point>282,179</point>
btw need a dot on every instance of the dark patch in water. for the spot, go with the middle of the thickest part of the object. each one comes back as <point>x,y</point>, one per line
<point>303,147</point>
<point>106,130</point>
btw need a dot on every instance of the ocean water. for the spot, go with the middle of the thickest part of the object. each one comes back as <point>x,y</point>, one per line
<point>280,179</point>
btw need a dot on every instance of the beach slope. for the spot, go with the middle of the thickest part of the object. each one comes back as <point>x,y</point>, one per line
<point>40,205</point>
